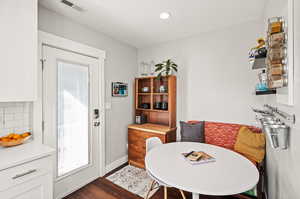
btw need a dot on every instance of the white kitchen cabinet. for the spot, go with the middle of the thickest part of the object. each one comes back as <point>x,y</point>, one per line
<point>37,188</point>
<point>26,172</point>
<point>18,50</point>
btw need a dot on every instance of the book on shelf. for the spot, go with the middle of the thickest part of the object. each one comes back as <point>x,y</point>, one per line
<point>198,157</point>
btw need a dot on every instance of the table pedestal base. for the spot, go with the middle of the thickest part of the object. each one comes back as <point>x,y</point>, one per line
<point>196,196</point>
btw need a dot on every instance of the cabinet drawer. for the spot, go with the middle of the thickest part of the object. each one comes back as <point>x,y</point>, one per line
<point>142,136</point>
<point>22,173</point>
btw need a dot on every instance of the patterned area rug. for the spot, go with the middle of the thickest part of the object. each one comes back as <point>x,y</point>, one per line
<point>134,180</point>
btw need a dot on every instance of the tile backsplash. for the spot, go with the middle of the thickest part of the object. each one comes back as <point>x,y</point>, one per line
<point>15,117</point>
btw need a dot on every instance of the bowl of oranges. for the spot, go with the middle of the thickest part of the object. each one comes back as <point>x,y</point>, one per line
<point>14,139</point>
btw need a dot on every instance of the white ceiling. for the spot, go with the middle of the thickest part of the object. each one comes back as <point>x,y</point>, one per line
<point>137,22</point>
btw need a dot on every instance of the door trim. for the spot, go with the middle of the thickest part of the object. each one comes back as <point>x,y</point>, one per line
<point>48,39</point>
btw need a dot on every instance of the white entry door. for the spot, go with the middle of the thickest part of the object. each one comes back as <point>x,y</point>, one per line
<point>71,117</point>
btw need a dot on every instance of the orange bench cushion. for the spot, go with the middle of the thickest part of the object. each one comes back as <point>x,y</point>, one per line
<point>224,134</point>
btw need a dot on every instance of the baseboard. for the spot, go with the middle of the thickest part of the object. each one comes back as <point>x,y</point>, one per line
<point>115,164</point>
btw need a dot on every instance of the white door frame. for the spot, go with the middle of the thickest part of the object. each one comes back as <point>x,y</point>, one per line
<point>69,45</point>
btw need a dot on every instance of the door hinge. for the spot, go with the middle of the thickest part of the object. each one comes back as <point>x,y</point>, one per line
<point>43,63</point>
<point>43,125</point>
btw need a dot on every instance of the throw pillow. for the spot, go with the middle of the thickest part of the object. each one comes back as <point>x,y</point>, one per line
<point>251,144</point>
<point>192,132</point>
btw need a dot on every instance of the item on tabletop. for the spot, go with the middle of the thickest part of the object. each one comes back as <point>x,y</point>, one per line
<point>119,89</point>
<point>198,157</point>
<point>145,106</point>
<point>164,105</point>
<point>192,132</point>
<point>14,139</point>
<point>162,89</point>
<point>145,89</point>
<point>141,119</point>
<point>157,105</point>
<point>165,68</point>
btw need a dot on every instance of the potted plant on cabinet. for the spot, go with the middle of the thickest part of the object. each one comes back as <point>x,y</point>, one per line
<point>165,68</point>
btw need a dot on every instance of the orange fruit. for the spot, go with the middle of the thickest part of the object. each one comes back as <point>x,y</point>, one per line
<point>16,136</point>
<point>24,135</point>
<point>6,140</point>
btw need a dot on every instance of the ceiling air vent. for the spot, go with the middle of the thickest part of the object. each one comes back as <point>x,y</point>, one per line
<point>72,5</point>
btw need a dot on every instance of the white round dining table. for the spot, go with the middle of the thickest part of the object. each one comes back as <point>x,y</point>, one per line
<point>229,174</point>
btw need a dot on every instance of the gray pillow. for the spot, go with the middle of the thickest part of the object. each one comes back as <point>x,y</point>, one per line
<point>192,132</point>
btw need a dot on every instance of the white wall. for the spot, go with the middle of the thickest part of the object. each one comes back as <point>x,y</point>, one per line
<point>215,81</point>
<point>283,166</point>
<point>120,65</point>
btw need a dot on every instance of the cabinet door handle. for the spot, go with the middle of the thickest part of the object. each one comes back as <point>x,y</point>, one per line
<point>24,174</point>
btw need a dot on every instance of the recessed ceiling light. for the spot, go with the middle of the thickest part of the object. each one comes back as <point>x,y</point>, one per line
<point>164,15</point>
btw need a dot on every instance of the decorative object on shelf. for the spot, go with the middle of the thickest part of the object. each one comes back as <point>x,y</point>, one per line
<point>273,124</point>
<point>144,69</point>
<point>152,68</point>
<point>166,68</point>
<point>157,105</point>
<point>147,68</point>
<point>163,89</point>
<point>119,89</point>
<point>145,89</point>
<point>164,105</point>
<point>258,54</point>
<point>277,53</point>
<point>262,85</point>
<point>141,119</point>
<point>145,106</point>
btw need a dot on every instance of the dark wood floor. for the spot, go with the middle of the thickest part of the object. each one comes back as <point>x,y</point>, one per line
<point>104,189</point>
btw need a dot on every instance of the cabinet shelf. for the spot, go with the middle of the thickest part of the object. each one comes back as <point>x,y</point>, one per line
<point>152,110</point>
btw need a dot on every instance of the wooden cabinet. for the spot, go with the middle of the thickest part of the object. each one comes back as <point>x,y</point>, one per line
<point>156,99</point>
<point>137,135</point>
<point>18,50</point>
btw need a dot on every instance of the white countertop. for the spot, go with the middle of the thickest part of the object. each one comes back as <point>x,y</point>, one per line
<point>17,155</point>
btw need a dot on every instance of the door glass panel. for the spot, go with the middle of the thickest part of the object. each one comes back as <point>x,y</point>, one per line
<point>72,117</point>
